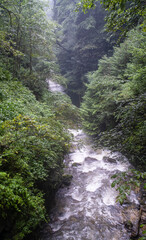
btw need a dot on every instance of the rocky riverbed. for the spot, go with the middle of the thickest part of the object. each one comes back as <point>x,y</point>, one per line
<point>87,208</point>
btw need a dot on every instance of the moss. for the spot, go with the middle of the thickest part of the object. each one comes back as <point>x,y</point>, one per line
<point>76,164</point>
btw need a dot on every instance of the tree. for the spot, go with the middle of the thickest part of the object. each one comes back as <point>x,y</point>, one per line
<point>26,42</point>
<point>81,43</point>
<point>122,15</point>
<point>114,103</point>
<point>33,142</point>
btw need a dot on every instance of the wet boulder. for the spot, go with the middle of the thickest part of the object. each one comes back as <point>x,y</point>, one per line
<point>66,181</point>
<point>142,229</point>
<point>109,160</point>
<point>99,151</point>
<point>90,160</point>
<point>131,219</point>
<point>128,224</point>
<point>76,164</point>
<point>143,217</point>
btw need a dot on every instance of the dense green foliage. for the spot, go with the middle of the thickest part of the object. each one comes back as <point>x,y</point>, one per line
<point>113,109</point>
<point>81,41</point>
<point>33,134</point>
<point>123,15</point>
<point>125,182</point>
<point>26,40</point>
<point>32,146</point>
<point>114,104</point>
<point>63,109</point>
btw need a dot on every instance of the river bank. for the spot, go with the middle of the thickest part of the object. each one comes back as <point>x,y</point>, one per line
<point>87,209</point>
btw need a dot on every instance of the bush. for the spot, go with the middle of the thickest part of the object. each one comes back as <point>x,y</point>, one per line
<point>113,109</point>
<point>32,146</point>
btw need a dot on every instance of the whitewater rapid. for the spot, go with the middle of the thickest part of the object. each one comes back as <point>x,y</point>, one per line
<point>87,209</point>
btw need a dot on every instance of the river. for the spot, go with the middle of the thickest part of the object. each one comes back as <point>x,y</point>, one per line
<point>55,87</point>
<point>87,208</point>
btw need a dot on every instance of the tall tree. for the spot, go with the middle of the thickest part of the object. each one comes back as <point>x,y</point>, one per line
<point>82,43</point>
<point>122,15</point>
<point>113,107</point>
<point>27,37</point>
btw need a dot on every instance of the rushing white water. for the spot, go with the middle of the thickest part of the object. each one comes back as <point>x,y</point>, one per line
<point>87,209</point>
<point>54,87</point>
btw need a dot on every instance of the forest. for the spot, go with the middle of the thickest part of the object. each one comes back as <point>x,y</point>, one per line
<point>97,51</point>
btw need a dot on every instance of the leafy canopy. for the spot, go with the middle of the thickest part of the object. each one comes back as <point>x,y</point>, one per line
<point>122,15</point>
<point>113,107</point>
<point>33,142</point>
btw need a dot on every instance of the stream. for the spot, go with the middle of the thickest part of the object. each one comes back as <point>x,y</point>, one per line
<point>87,208</point>
<point>55,87</point>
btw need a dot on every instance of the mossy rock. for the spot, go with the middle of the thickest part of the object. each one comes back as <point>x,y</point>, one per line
<point>109,160</point>
<point>76,164</point>
<point>66,180</point>
<point>128,225</point>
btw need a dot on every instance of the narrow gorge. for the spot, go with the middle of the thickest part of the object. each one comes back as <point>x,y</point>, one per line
<point>72,120</point>
<point>86,208</point>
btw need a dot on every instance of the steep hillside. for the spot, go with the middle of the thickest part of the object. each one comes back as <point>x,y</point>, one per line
<point>82,41</point>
